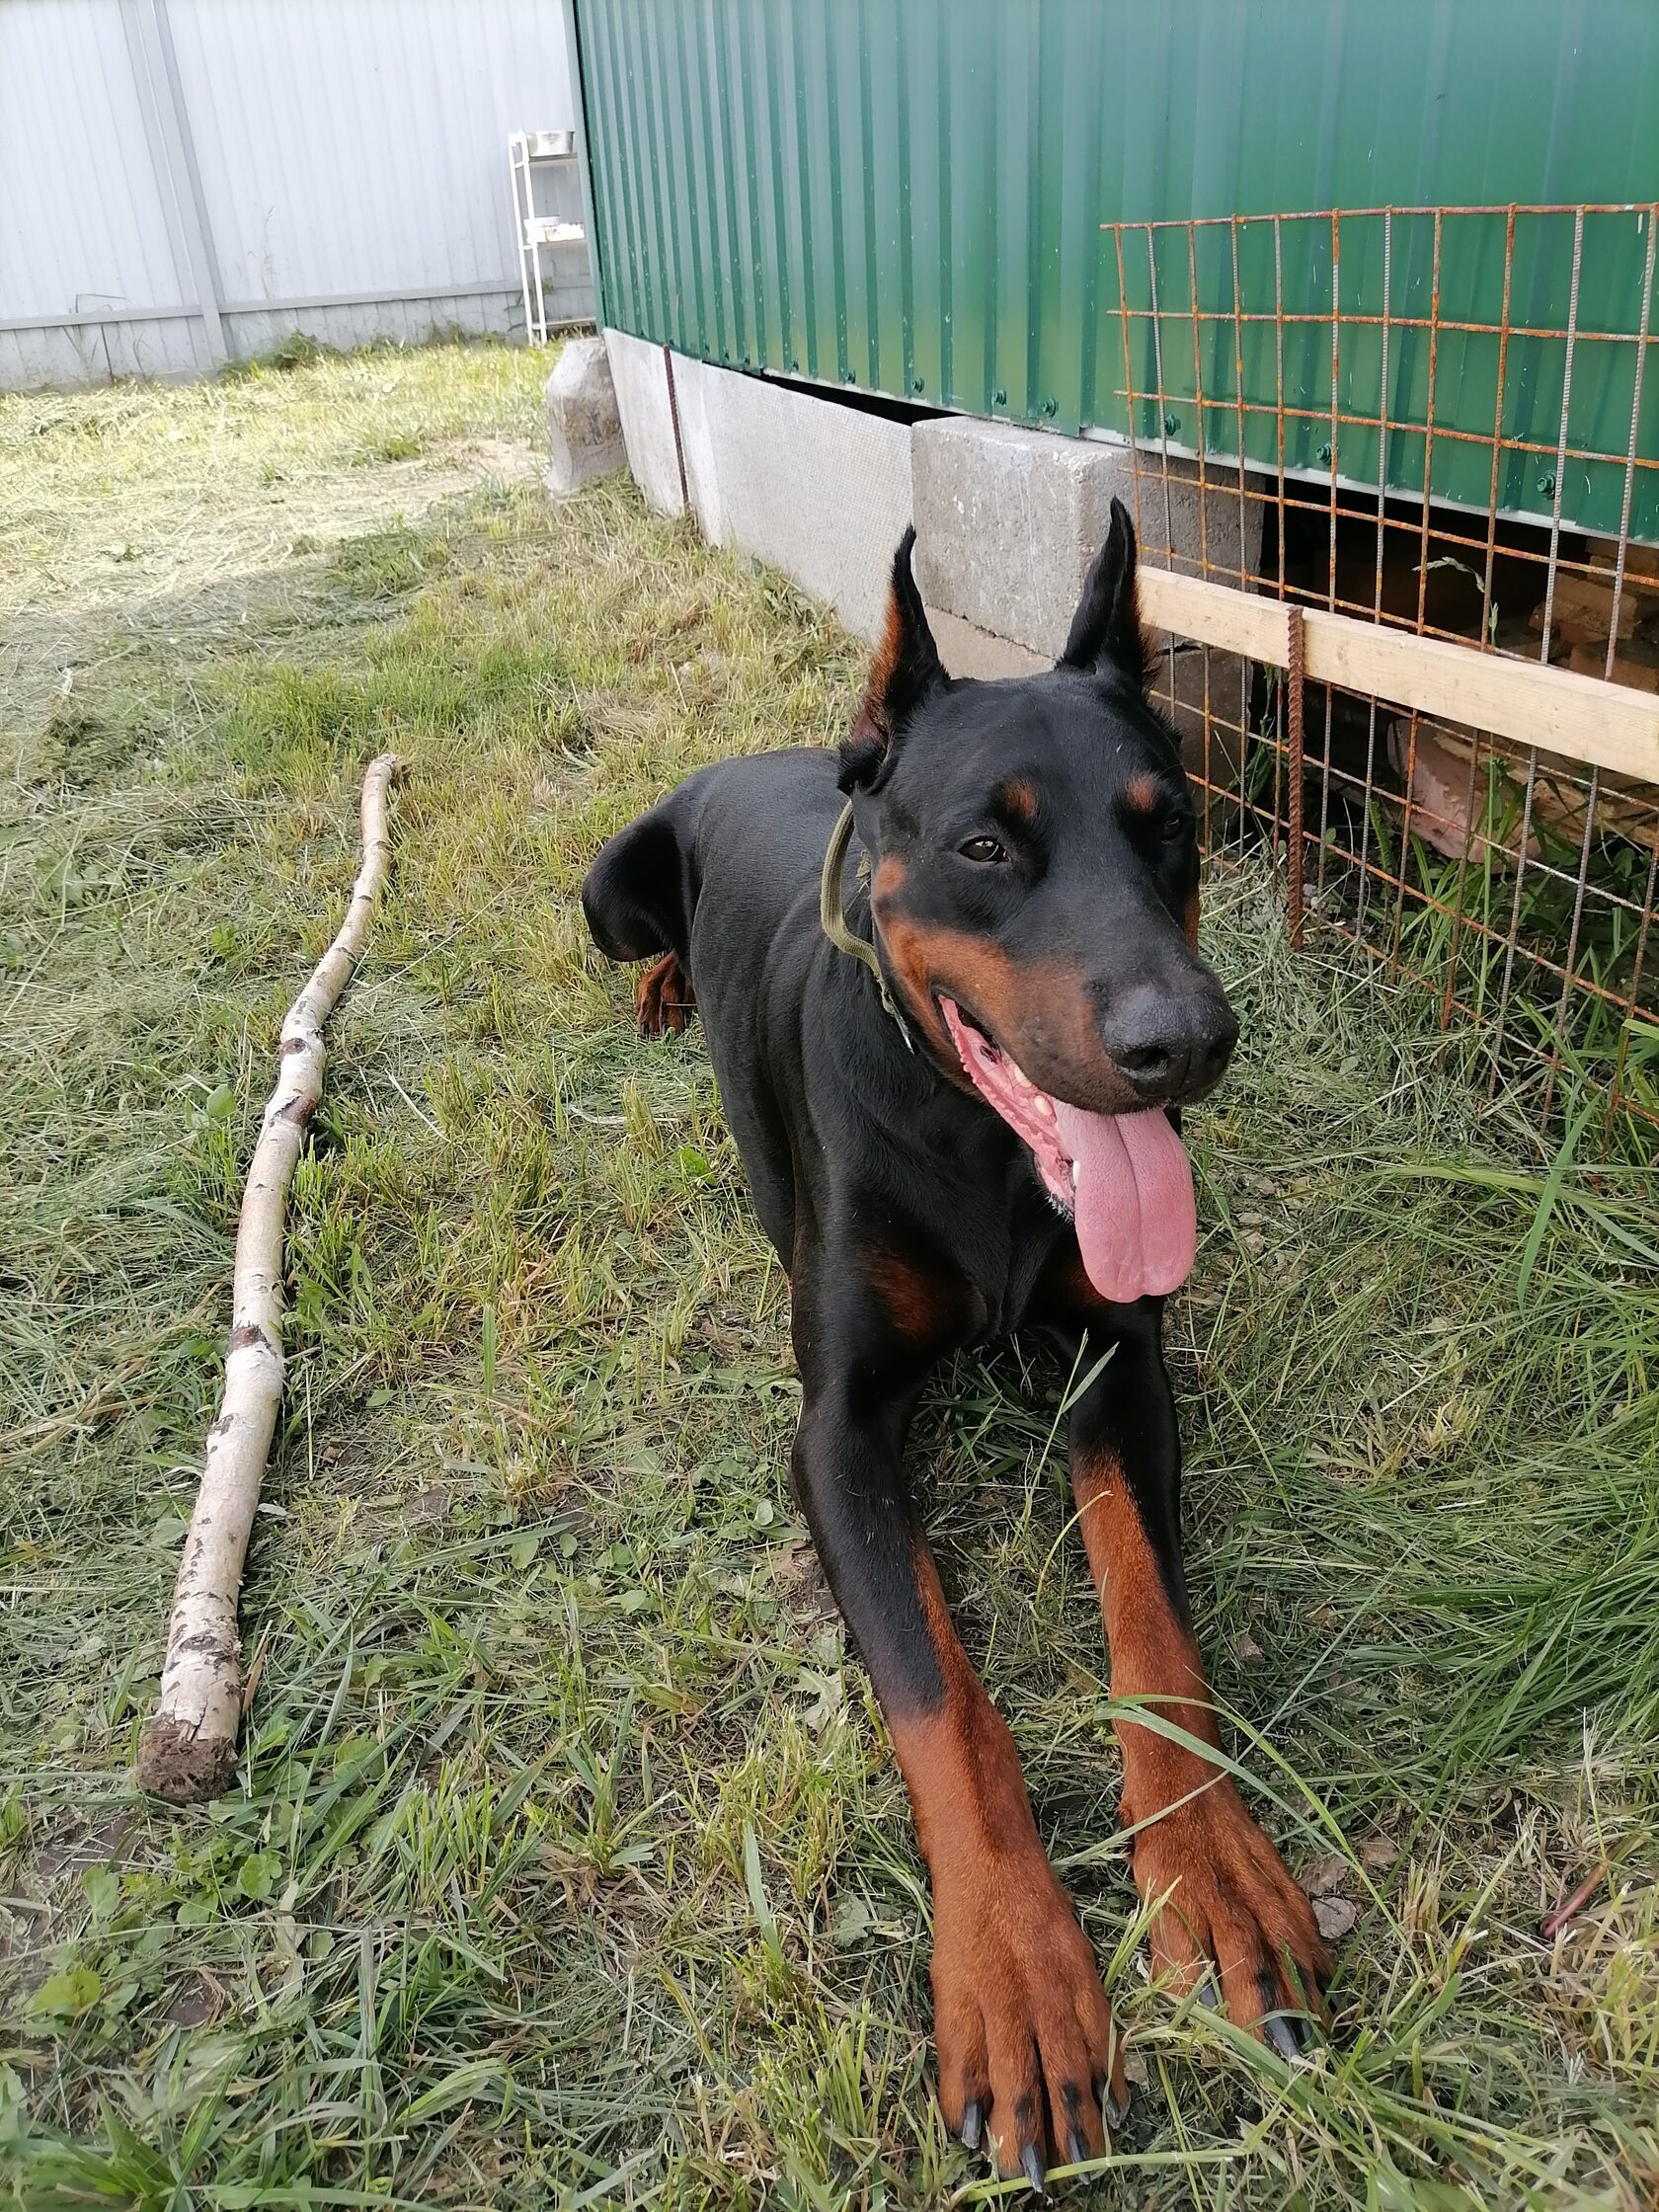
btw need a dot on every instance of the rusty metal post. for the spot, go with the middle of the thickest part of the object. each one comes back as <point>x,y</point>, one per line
<point>1294,643</point>
<point>673,414</point>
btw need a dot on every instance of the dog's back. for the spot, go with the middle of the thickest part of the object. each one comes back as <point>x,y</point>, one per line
<point>725,856</point>
<point>723,874</point>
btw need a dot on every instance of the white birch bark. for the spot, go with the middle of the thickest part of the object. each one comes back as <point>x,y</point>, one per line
<point>187,1749</point>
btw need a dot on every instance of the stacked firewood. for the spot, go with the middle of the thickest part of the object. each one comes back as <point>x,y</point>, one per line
<point>1582,618</point>
<point>1462,781</point>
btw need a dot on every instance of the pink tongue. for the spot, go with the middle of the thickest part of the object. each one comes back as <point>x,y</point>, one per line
<point>1137,1217</point>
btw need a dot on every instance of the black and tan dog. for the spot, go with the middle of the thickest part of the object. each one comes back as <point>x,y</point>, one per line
<point>964,1129</point>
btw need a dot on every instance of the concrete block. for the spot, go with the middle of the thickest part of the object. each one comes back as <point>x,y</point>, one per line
<point>584,428</point>
<point>1009,520</point>
<point>1201,531</point>
<point>821,491</point>
<point>1203,677</point>
<point>967,650</point>
<point>817,489</point>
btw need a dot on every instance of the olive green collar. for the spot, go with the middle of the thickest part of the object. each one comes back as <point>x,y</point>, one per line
<point>834,919</point>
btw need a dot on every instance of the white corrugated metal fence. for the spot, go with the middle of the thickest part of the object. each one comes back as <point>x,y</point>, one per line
<point>185,182</point>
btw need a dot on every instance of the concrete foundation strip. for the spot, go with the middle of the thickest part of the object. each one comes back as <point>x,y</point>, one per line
<point>1581,718</point>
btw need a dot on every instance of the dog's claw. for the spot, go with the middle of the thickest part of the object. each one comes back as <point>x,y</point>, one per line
<point>1209,1993</point>
<point>1116,2107</point>
<point>1077,2150</point>
<point>1283,2036</point>
<point>1033,2164</point>
<point>973,2123</point>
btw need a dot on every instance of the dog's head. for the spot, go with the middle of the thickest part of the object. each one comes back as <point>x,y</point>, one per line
<point>1035,891</point>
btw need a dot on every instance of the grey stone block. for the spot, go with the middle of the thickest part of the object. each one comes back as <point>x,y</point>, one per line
<point>584,428</point>
<point>1009,519</point>
<point>1201,531</point>
<point>1201,679</point>
<point>1007,522</point>
<point>967,650</point>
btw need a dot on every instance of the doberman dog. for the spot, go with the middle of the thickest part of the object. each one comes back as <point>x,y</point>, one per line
<point>970,1127</point>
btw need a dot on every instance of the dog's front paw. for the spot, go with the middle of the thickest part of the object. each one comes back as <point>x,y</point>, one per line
<point>1025,2039</point>
<point>1226,1904</point>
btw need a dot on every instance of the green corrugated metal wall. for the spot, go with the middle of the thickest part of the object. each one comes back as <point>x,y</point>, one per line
<point>907,196</point>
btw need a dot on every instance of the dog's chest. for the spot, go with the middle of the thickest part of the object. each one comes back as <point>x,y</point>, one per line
<point>1000,1233</point>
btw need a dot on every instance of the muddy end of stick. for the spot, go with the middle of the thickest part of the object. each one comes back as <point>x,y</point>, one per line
<point>177,1764</point>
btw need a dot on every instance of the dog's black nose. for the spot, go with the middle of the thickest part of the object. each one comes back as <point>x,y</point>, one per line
<point>1170,1045</point>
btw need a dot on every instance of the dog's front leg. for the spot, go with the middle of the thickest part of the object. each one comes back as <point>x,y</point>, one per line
<point>1024,2033</point>
<point>1227,1897</point>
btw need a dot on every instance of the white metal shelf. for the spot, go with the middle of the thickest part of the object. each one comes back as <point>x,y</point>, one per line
<point>528,151</point>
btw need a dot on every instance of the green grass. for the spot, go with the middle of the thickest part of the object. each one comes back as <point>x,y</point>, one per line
<point>566,1863</point>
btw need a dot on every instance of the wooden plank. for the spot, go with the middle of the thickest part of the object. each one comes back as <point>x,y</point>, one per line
<point>1217,614</point>
<point>1579,717</point>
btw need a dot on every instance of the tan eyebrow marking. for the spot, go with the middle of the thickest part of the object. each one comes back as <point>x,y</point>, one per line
<point>1016,799</point>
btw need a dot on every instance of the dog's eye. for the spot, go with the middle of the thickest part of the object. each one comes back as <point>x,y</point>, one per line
<point>1174,828</point>
<point>981,848</point>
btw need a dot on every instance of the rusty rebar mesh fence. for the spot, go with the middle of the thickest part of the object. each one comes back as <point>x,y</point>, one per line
<point>1444,421</point>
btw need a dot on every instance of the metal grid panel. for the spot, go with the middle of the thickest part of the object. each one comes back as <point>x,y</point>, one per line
<point>1518,886</point>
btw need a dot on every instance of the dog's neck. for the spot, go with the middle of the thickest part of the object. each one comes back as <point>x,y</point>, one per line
<point>832,915</point>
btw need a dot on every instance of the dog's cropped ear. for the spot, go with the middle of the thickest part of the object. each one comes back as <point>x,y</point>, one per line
<point>1105,637</point>
<point>906,670</point>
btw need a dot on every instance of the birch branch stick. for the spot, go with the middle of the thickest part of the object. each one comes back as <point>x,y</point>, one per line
<point>187,1749</point>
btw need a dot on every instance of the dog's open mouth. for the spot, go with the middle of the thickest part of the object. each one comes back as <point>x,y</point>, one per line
<point>1124,1178</point>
